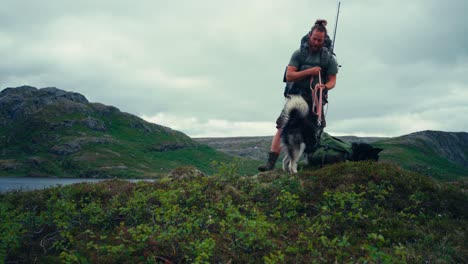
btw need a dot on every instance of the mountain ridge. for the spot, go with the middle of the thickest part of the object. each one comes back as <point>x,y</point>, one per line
<point>51,132</point>
<point>443,155</point>
<point>451,145</point>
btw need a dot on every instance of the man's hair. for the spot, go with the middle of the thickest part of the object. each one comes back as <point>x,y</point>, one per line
<point>320,25</point>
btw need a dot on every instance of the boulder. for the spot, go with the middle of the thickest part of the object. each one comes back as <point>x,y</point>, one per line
<point>76,145</point>
<point>93,124</point>
<point>9,164</point>
<point>185,173</point>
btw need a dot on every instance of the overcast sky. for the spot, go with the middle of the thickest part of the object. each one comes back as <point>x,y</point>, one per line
<point>215,68</point>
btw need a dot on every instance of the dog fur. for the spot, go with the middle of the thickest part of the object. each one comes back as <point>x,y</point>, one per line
<point>300,134</point>
<point>298,125</point>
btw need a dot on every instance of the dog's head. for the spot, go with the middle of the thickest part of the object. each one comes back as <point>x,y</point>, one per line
<point>364,151</point>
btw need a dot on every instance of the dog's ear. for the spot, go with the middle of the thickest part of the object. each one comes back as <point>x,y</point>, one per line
<point>377,150</point>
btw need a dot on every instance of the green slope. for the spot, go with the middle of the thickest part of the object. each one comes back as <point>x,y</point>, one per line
<point>442,155</point>
<point>354,212</point>
<point>419,155</point>
<point>71,139</point>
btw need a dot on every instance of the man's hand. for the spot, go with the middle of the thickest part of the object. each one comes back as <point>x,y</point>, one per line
<point>320,86</point>
<point>314,71</point>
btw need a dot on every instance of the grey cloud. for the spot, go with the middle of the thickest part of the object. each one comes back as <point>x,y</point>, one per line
<point>408,31</point>
<point>213,60</point>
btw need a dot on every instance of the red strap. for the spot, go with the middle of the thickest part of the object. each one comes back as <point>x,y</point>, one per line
<point>317,102</point>
<point>319,106</point>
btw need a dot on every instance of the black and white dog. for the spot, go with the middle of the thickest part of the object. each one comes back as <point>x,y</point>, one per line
<point>300,131</point>
<point>301,134</point>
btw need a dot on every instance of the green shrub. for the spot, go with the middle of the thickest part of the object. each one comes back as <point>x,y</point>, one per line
<point>346,213</point>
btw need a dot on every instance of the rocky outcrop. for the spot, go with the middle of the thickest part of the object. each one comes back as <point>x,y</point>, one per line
<point>89,122</point>
<point>21,102</point>
<point>140,125</point>
<point>104,109</point>
<point>168,147</point>
<point>185,173</point>
<point>93,124</point>
<point>36,161</point>
<point>451,145</point>
<point>76,145</point>
<point>9,164</point>
<point>48,130</point>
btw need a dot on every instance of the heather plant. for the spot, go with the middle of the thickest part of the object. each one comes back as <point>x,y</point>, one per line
<point>346,213</point>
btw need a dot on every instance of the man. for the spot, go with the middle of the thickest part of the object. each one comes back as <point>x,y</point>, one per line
<point>307,62</point>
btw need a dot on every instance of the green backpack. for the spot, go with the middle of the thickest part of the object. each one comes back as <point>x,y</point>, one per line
<point>330,150</point>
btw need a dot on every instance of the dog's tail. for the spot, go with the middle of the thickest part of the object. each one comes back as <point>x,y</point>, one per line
<point>295,108</point>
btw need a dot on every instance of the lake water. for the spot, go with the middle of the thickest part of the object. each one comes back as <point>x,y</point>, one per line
<point>27,184</point>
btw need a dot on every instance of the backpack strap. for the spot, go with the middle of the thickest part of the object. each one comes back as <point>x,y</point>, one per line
<point>327,147</point>
<point>288,85</point>
<point>325,57</point>
<point>323,158</point>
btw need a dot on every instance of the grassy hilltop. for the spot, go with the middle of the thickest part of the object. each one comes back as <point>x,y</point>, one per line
<point>50,132</point>
<point>442,155</point>
<point>345,213</point>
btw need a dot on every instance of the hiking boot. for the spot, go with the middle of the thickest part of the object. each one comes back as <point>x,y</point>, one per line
<point>272,157</point>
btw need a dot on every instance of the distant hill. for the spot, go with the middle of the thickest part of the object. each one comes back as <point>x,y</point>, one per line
<point>252,147</point>
<point>443,155</point>
<point>51,132</point>
<point>258,147</point>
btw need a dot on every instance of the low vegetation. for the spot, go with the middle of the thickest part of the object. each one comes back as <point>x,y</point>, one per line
<point>346,213</point>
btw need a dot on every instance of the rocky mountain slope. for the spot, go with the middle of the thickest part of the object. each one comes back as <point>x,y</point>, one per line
<point>451,145</point>
<point>51,132</point>
<point>258,147</point>
<point>252,147</point>
<point>443,155</point>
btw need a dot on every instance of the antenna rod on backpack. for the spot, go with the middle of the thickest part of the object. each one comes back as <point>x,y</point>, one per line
<point>336,26</point>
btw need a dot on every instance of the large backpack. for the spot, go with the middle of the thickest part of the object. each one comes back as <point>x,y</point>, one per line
<point>330,150</point>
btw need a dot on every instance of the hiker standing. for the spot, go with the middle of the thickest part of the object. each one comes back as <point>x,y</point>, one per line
<point>312,59</point>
